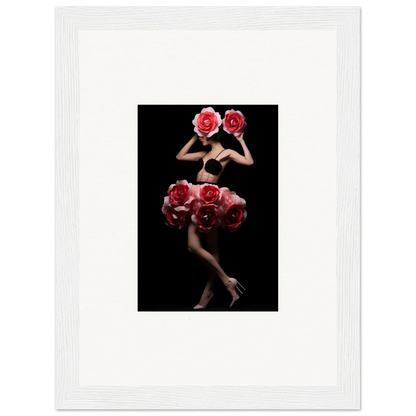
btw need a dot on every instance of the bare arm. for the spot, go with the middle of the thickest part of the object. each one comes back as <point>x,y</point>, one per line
<point>247,159</point>
<point>192,157</point>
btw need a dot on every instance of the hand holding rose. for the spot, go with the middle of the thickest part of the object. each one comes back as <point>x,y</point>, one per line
<point>207,122</point>
<point>234,122</point>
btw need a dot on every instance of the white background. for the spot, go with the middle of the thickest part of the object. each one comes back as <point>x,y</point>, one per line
<point>296,346</point>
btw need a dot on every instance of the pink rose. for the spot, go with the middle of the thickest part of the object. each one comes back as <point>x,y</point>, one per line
<point>232,211</point>
<point>180,194</point>
<point>234,122</point>
<point>207,122</point>
<point>210,194</point>
<point>206,217</point>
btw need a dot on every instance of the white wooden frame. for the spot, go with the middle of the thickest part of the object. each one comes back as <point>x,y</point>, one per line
<point>346,395</point>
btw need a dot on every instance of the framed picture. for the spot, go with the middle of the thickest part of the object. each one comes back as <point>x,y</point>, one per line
<point>218,235</point>
<point>207,208</point>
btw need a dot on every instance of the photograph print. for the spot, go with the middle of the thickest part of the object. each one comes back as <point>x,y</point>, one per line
<point>208,208</point>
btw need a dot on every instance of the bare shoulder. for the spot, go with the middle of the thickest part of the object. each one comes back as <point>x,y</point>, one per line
<point>237,157</point>
<point>227,153</point>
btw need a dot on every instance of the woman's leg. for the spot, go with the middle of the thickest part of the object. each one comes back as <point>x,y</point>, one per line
<point>194,246</point>
<point>212,247</point>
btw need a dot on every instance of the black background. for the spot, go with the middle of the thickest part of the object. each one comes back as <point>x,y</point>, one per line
<point>170,277</point>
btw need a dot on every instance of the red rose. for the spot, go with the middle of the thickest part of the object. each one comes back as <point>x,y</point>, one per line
<point>176,218</point>
<point>181,193</point>
<point>234,216</point>
<point>206,217</point>
<point>207,122</point>
<point>209,194</point>
<point>234,122</point>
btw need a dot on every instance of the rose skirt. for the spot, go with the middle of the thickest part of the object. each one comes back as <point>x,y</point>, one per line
<point>207,206</point>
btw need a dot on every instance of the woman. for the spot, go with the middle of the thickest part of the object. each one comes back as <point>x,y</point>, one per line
<point>205,205</point>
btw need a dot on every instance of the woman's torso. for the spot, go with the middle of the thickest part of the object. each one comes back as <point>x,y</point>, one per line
<point>211,166</point>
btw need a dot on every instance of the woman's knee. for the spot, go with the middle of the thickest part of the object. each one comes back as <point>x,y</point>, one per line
<point>215,255</point>
<point>193,249</point>
<point>214,252</point>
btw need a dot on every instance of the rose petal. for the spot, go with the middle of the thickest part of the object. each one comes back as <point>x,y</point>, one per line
<point>239,112</point>
<point>213,132</point>
<point>219,118</point>
<point>195,119</point>
<point>169,224</point>
<point>198,132</point>
<point>188,203</point>
<point>166,204</point>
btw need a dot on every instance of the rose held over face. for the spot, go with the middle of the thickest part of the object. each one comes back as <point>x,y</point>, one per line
<point>207,122</point>
<point>234,122</point>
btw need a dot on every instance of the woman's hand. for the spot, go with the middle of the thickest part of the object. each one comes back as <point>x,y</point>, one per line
<point>240,138</point>
<point>184,155</point>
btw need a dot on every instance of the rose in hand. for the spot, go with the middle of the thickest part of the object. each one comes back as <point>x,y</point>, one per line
<point>234,122</point>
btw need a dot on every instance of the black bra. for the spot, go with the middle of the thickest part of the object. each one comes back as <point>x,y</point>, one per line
<point>212,165</point>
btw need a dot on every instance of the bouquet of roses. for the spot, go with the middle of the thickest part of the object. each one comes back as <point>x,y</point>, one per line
<point>207,206</point>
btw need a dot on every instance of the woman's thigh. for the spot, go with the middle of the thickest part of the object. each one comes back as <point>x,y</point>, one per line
<point>212,241</point>
<point>194,238</point>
